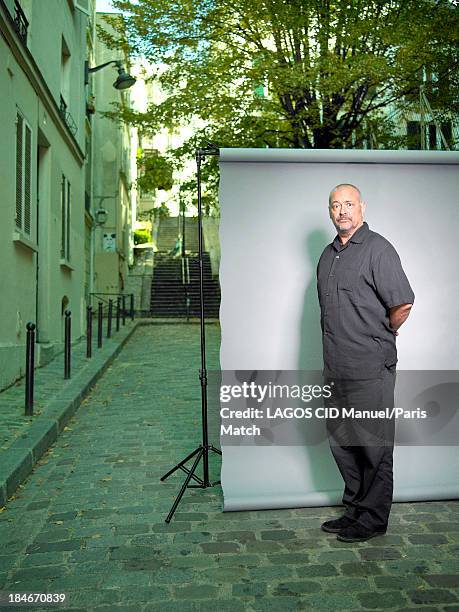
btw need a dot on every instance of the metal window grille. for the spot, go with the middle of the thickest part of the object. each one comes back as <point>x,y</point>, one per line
<point>23,175</point>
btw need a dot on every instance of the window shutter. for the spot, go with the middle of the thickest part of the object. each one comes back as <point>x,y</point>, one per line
<point>63,215</point>
<point>68,221</point>
<point>19,170</point>
<point>82,5</point>
<point>27,179</point>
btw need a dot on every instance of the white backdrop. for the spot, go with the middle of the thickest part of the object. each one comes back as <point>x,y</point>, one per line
<point>274,226</point>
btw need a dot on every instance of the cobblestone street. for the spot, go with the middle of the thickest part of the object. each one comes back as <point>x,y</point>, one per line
<point>89,521</point>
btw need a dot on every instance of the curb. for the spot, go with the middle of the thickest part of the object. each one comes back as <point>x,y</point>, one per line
<point>20,458</point>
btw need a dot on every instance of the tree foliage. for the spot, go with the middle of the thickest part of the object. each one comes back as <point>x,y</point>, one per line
<point>155,172</point>
<point>291,73</point>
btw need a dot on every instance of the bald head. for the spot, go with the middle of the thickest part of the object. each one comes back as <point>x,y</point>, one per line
<point>346,209</point>
<point>343,185</point>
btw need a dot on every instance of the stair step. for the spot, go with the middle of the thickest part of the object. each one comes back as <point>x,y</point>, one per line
<point>169,295</point>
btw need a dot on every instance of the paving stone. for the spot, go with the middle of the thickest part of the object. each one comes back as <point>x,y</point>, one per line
<point>320,570</point>
<point>375,554</point>
<point>196,591</point>
<point>235,536</point>
<point>432,596</point>
<point>220,547</point>
<point>398,582</point>
<point>442,580</point>
<point>389,601</point>
<point>274,604</point>
<point>337,555</point>
<point>293,558</point>
<point>360,568</point>
<point>278,534</point>
<point>246,590</point>
<point>427,538</point>
<point>52,546</point>
<point>296,588</point>
<point>267,546</point>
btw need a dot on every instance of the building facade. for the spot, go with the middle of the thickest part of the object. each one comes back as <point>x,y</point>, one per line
<point>113,176</point>
<point>42,160</point>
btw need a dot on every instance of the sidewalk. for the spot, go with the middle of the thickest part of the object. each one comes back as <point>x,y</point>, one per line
<point>24,439</point>
<point>89,521</point>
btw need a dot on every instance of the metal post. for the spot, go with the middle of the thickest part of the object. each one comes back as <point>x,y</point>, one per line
<point>124,309</point>
<point>99,325</point>
<point>30,365</point>
<point>109,318</point>
<point>118,309</point>
<point>132,307</point>
<point>67,343</point>
<point>182,208</point>
<point>89,332</point>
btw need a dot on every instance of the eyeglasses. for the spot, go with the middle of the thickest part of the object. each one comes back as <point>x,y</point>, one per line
<point>346,205</point>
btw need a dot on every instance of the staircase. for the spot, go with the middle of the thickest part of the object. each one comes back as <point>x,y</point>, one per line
<point>167,233</point>
<point>175,285</point>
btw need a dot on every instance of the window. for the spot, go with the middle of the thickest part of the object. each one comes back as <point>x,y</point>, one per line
<point>413,134</point>
<point>65,216</point>
<point>447,130</point>
<point>23,174</point>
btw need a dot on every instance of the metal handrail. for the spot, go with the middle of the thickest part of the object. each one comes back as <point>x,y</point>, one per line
<point>185,270</point>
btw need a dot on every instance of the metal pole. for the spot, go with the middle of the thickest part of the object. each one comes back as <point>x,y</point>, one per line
<point>118,309</point>
<point>124,309</point>
<point>67,343</point>
<point>182,206</point>
<point>109,318</point>
<point>99,325</point>
<point>203,370</point>
<point>30,365</point>
<point>132,307</point>
<point>88,332</point>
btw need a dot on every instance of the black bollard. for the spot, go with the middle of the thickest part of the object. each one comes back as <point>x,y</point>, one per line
<point>67,343</point>
<point>118,310</point>
<point>99,325</point>
<point>132,307</point>
<point>89,332</point>
<point>124,309</point>
<point>109,318</point>
<point>30,365</point>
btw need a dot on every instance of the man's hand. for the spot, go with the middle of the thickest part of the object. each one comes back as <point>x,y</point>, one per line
<point>398,315</point>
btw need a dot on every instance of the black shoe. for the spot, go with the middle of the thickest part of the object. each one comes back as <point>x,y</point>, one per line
<point>358,533</point>
<point>337,525</point>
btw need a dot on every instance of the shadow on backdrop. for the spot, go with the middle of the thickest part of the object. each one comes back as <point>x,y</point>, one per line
<point>323,471</point>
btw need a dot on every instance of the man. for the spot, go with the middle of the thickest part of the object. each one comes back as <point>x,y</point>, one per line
<point>364,298</point>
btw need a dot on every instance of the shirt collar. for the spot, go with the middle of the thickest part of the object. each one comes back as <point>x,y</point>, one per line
<point>357,237</point>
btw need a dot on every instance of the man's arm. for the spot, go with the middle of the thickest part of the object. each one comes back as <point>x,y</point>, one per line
<point>398,315</point>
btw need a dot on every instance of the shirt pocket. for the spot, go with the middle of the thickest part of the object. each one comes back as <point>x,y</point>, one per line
<point>348,280</point>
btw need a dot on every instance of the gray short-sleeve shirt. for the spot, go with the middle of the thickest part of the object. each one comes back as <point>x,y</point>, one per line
<point>357,284</point>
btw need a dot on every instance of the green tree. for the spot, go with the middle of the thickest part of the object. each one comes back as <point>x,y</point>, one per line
<point>291,73</point>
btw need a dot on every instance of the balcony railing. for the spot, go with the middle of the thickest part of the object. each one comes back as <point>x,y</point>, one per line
<point>21,23</point>
<point>67,117</point>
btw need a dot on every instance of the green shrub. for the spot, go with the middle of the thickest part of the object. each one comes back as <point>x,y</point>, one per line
<point>141,236</point>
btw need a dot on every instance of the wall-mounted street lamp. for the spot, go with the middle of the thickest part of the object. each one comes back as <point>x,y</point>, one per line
<point>124,80</point>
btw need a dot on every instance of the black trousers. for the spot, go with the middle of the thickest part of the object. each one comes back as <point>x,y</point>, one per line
<point>362,446</point>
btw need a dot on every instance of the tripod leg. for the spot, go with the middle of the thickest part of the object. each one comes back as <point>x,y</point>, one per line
<point>200,451</point>
<point>179,465</point>
<point>216,450</point>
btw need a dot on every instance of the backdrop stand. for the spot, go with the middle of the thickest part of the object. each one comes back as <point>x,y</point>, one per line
<point>203,450</point>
